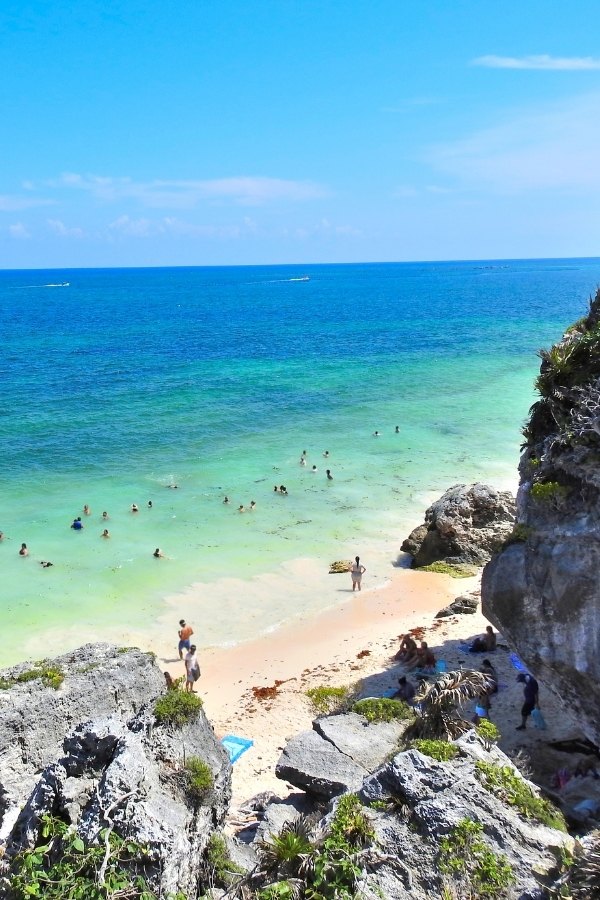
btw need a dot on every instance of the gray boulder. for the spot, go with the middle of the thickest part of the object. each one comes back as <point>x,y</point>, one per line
<point>466,525</point>
<point>92,753</point>
<point>464,605</point>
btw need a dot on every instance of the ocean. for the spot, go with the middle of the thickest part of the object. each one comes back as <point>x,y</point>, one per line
<point>118,383</point>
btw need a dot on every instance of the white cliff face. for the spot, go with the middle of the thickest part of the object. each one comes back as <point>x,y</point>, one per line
<point>543,590</point>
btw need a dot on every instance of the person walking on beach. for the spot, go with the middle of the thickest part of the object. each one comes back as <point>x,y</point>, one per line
<point>192,670</point>
<point>531,693</point>
<point>185,632</point>
<point>357,570</point>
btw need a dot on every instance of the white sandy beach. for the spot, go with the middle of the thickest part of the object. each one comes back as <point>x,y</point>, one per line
<point>354,642</point>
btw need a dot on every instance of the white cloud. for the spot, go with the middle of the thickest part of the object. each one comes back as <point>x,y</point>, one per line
<point>185,194</point>
<point>62,230</point>
<point>19,231</point>
<point>552,63</point>
<point>136,227</point>
<point>12,203</point>
<point>555,147</point>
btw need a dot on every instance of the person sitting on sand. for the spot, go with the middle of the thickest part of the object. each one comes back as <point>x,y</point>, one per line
<point>105,533</point>
<point>134,508</point>
<point>485,643</point>
<point>406,690</point>
<point>423,659</point>
<point>23,551</point>
<point>408,649</point>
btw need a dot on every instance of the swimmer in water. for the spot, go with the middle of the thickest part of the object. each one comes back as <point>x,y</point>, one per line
<point>23,551</point>
<point>173,486</point>
<point>375,434</point>
<point>303,453</point>
<point>1,535</point>
<point>326,454</point>
<point>241,508</point>
<point>283,489</point>
<point>105,533</point>
<point>275,489</point>
<point>397,430</point>
<point>45,565</point>
<point>158,554</point>
<point>226,500</point>
<point>302,460</point>
<point>86,510</point>
<point>105,515</point>
<point>329,475</point>
<point>134,507</point>
<point>77,524</point>
<point>149,504</point>
<point>314,469</point>
<point>252,504</point>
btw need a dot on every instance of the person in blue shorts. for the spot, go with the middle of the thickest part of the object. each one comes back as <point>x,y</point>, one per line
<point>185,632</point>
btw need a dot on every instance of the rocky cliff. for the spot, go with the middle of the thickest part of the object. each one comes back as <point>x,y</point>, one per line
<point>543,589</point>
<point>80,741</point>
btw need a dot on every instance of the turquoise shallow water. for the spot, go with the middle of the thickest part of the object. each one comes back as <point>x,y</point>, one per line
<point>126,381</point>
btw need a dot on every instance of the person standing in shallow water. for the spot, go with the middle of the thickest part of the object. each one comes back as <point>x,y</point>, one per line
<point>357,570</point>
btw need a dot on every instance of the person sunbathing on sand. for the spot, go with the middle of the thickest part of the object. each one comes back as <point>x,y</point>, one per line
<point>485,643</point>
<point>423,659</point>
<point>408,649</point>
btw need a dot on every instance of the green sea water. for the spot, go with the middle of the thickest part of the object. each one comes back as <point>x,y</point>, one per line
<point>127,381</point>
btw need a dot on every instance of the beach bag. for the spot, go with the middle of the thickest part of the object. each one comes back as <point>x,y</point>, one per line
<point>196,673</point>
<point>538,719</point>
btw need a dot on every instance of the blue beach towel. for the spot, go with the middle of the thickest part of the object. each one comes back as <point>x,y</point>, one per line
<point>389,693</point>
<point>518,664</point>
<point>441,666</point>
<point>235,746</point>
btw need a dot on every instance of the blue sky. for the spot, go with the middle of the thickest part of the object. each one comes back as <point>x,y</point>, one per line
<point>228,132</point>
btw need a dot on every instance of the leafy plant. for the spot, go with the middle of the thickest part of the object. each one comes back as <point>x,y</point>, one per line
<point>199,777</point>
<point>549,492</point>
<point>351,823</point>
<point>472,864</point>
<point>382,709</point>
<point>219,867</point>
<point>442,751</point>
<point>519,535</point>
<point>289,852</point>
<point>455,570</point>
<point>488,732</point>
<point>440,701</point>
<point>65,867</point>
<point>328,699</point>
<point>505,783</point>
<point>50,675</point>
<point>177,707</point>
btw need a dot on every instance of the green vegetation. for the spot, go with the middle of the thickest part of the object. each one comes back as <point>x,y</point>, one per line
<point>549,492</point>
<point>220,868</point>
<point>50,675</point>
<point>440,703</point>
<point>488,732</point>
<point>455,570</point>
<point>326,869</point>
<point>199,777</point>
<point>507,785</point>
<point>442,751</point>
<point>382,709</point>
<point>518,535</point>
<point>177,707</point>
<point>472,864</point>
<point>64,867</point>
<point>382,805</point>
<point>325,699</point>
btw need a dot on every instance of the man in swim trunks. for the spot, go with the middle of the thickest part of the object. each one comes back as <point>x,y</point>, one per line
<point>185,632</point>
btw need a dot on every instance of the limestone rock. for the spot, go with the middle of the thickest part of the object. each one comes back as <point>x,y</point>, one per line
<point>466,525</point>
<point>542,591</point>
<point>466,604</point>
<point>93,744</point>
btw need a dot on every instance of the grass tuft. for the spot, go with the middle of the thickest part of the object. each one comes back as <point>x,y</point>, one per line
<point>382,709</point>
<point>507,785</point>
<point>455,570</point>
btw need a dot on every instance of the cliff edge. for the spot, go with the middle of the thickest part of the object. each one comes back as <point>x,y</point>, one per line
<point>543,589</point>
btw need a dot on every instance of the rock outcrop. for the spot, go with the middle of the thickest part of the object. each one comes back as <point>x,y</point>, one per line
<point>467,524</point>
<point>90,751</point>
<point>543,589</point>
<point>464,605</point>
